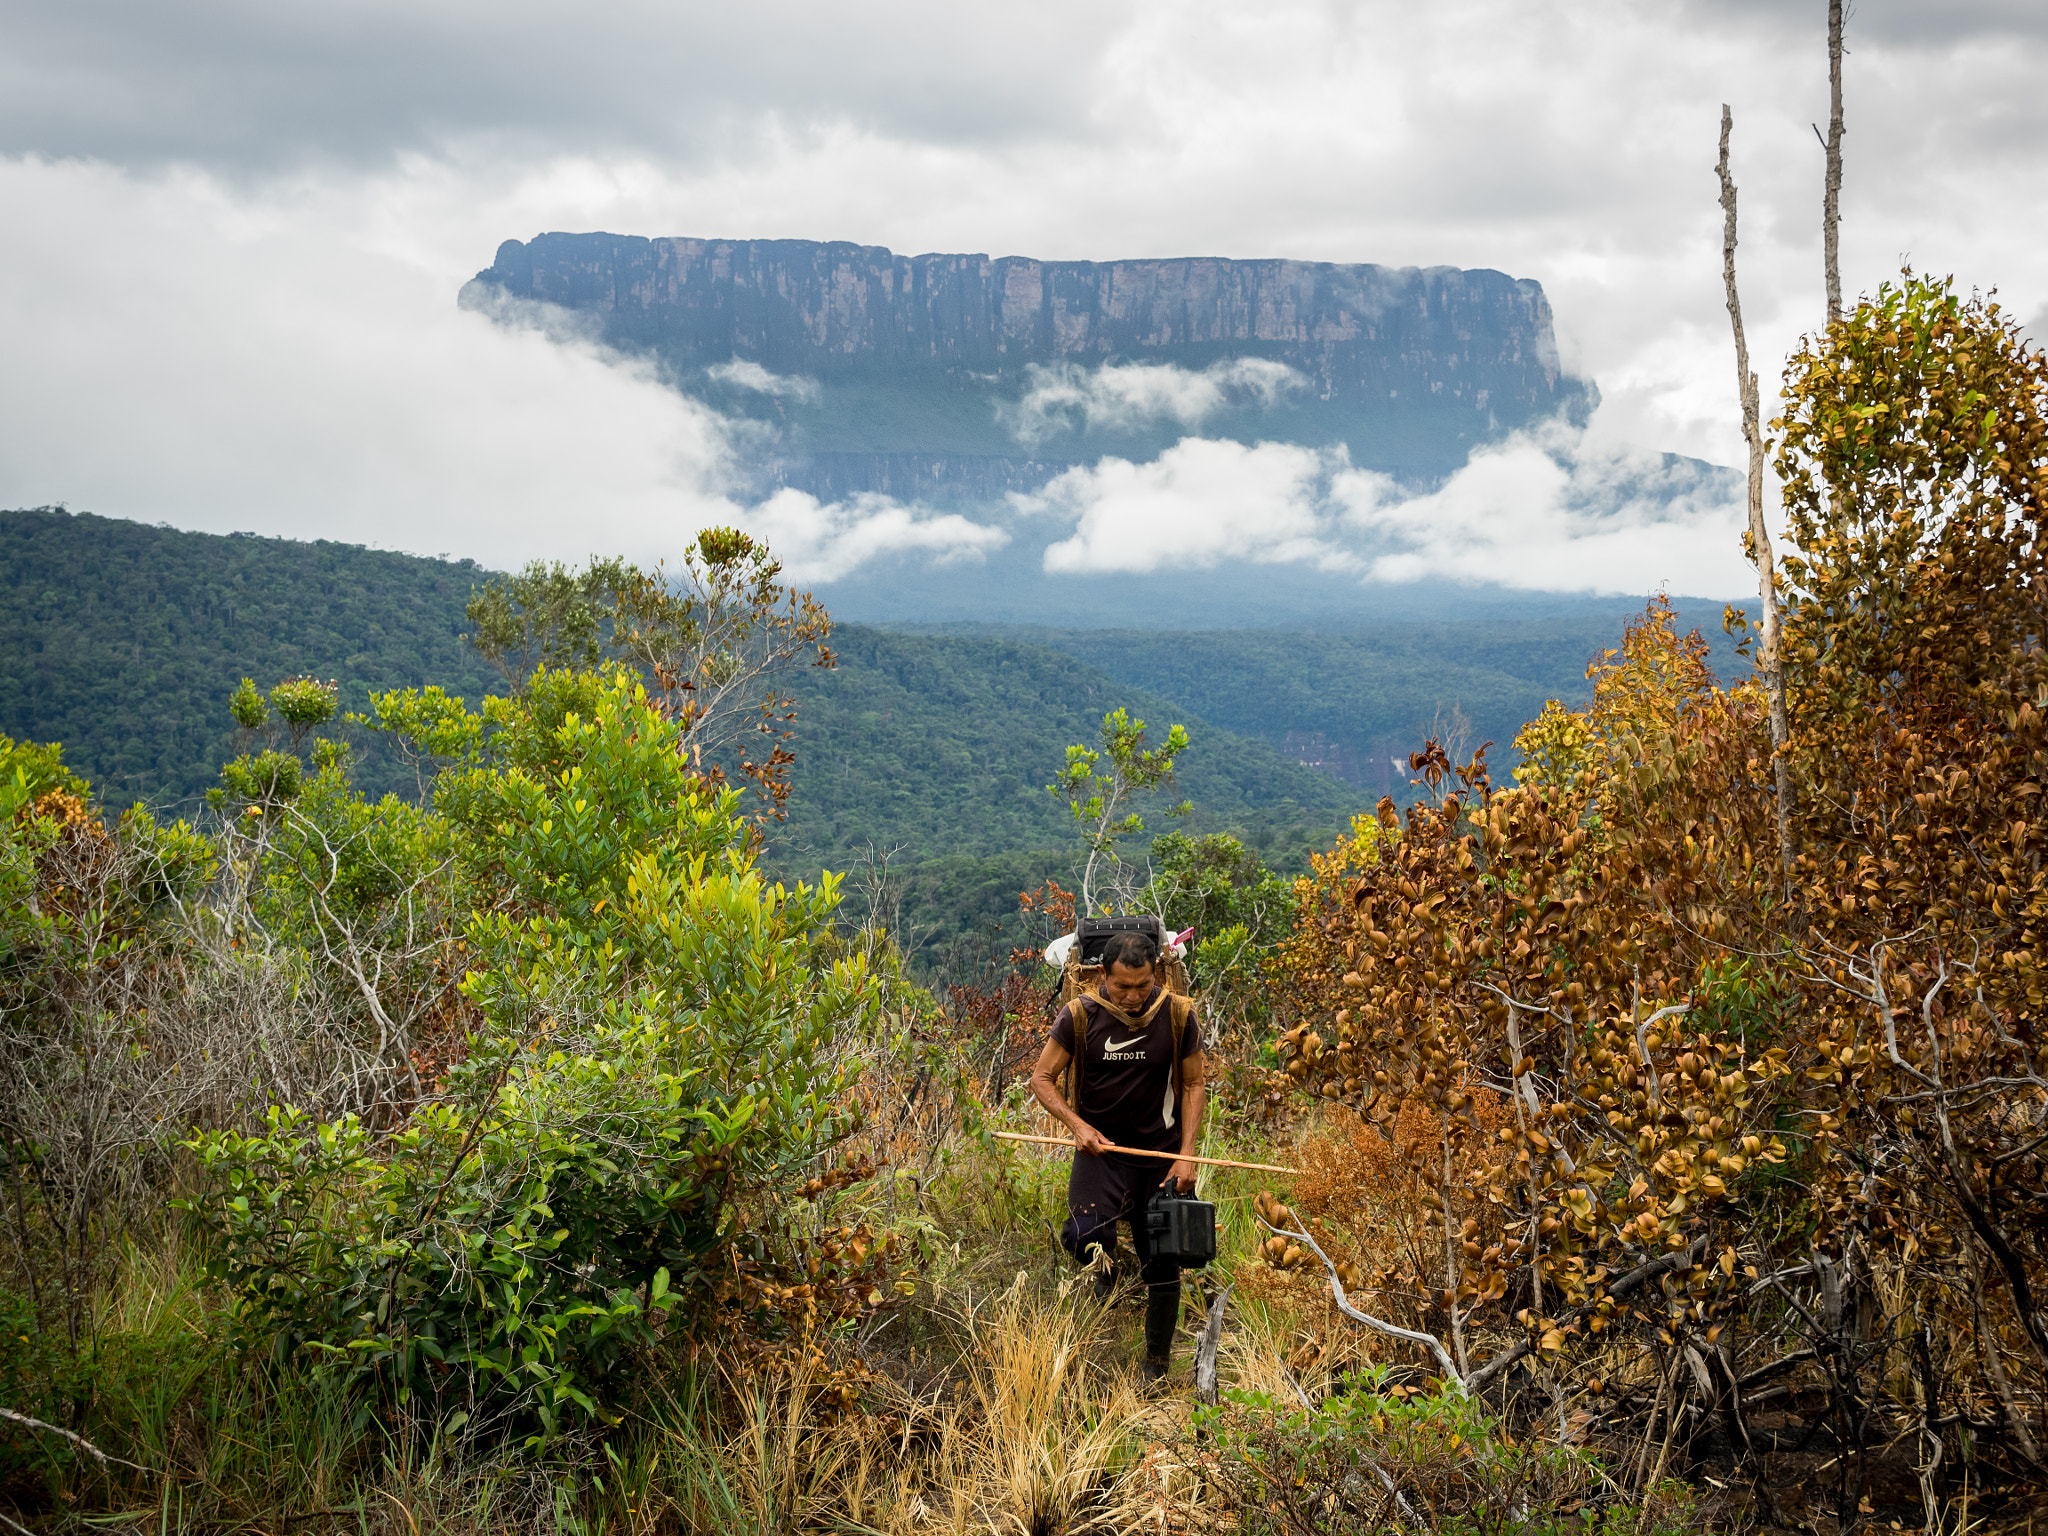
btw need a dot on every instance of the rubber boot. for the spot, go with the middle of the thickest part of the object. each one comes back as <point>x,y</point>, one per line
<point>1162,1318</point>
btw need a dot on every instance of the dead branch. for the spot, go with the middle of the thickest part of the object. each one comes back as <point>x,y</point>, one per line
<point>1393,1330</point>
<point>1205,1349</point>
<point>80,1441</point>
<point>1634,1280</point>
<point>1768,661</point>
<point>1831,196</point>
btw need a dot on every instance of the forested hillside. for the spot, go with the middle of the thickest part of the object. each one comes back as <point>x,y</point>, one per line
<point>1357,703</point>
<point>944,745</point>
<point>122,641</point>
<point>939,749</point>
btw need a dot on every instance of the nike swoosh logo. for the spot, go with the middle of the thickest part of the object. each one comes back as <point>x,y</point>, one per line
<point>1123,1045</point>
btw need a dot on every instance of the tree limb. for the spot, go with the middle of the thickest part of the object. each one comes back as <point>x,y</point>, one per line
<point>1394,1330</point>
<point>80,1441</point>
<point>1769,662</point>
<point>1633,1281</point>
<point>1831,195</point>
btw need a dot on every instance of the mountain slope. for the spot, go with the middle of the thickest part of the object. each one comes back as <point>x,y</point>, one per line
<point>123,641</point>
<point>1357,703</point>
<point>944,745</point>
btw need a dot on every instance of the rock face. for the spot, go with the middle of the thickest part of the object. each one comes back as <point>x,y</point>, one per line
<point>913,370</point>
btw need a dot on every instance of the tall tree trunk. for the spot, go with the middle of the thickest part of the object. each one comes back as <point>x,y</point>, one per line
<point>1768,661</point>
<point>1831,200</point>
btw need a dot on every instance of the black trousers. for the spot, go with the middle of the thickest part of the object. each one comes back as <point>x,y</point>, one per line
<point>1104,1190</point>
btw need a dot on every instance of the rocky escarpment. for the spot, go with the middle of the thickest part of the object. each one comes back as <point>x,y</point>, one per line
<point>850,352</point>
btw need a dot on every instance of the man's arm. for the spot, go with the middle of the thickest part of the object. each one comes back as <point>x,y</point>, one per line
<point>1194,1098</point>
<point>1045,1086</point>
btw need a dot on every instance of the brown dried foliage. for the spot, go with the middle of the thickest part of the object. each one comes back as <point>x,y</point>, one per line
<point>1822,1103</point>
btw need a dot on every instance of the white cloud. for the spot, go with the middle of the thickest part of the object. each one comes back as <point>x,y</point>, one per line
<point>1554,510</point>
<point>747,374</point>
<point>1200,503</point>
<point>1122,397</point>
<point>820,541</point>
<point>582,329</point>
<point>178,352</point>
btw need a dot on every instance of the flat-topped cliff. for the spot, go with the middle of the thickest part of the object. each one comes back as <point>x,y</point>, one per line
<point>852,352</point>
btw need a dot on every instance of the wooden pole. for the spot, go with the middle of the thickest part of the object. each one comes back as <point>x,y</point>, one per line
<point>1171,1157</point>
<point>1831,194</point>
<point>1769,662</point>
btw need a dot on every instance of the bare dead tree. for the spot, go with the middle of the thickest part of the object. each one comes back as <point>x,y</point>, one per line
<point>121,1032</point>
<point>1759,539</point>
<point>875,881</point>
<point>1831,198</point>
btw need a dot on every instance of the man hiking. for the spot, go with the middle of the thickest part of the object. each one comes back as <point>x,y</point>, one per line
<point>1130,1092</point>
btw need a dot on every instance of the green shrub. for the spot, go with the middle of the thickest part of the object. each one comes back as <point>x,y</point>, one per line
<point>499,1267</point>
<point>1377,1459</point>
<point>652,1050</point>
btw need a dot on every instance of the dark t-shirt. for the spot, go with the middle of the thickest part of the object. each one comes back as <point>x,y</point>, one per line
<point>1126,1074</point>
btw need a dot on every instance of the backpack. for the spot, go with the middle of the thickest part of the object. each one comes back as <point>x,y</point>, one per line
<point>1083,970</point>
<point>1092,934</point>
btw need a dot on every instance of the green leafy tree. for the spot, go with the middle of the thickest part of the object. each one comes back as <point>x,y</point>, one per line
<point>1100,797</point>
<point>547,616</point>
<point>304,703</point>
<point>257,788</point>
<point>710,641</point>
<point>261,781</point>
<point>651,1048</point>
<point>1239,909</point>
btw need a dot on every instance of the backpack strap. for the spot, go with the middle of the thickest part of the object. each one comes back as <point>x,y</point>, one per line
<point>1179,1008</point>
<point>1078,1012</point>
<point>1183,1009</point>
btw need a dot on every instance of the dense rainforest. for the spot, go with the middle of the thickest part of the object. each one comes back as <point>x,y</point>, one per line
<point>1358,701</point>
<point>121,641</point>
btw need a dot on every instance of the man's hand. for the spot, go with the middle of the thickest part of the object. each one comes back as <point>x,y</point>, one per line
<point>1090,1140</point>
<point>1182,1173</point>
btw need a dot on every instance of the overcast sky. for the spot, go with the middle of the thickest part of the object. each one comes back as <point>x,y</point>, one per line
<point>231,232</point>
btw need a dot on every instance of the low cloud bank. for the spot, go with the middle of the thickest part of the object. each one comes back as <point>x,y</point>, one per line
<point>1553,509</point>
<point>1123,397</point>
<point>820,541</point>
<point>747,374</point>
<point>1201,503</point>
<point>177,352</point>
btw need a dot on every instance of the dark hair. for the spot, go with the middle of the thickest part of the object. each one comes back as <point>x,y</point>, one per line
<point>1129,948</point>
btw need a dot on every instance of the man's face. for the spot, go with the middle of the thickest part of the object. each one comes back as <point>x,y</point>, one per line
<point>1127,986</point>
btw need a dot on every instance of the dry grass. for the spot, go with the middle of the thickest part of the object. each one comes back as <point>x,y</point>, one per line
<point>1034,1428</point>
<point>1054,1434</point>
